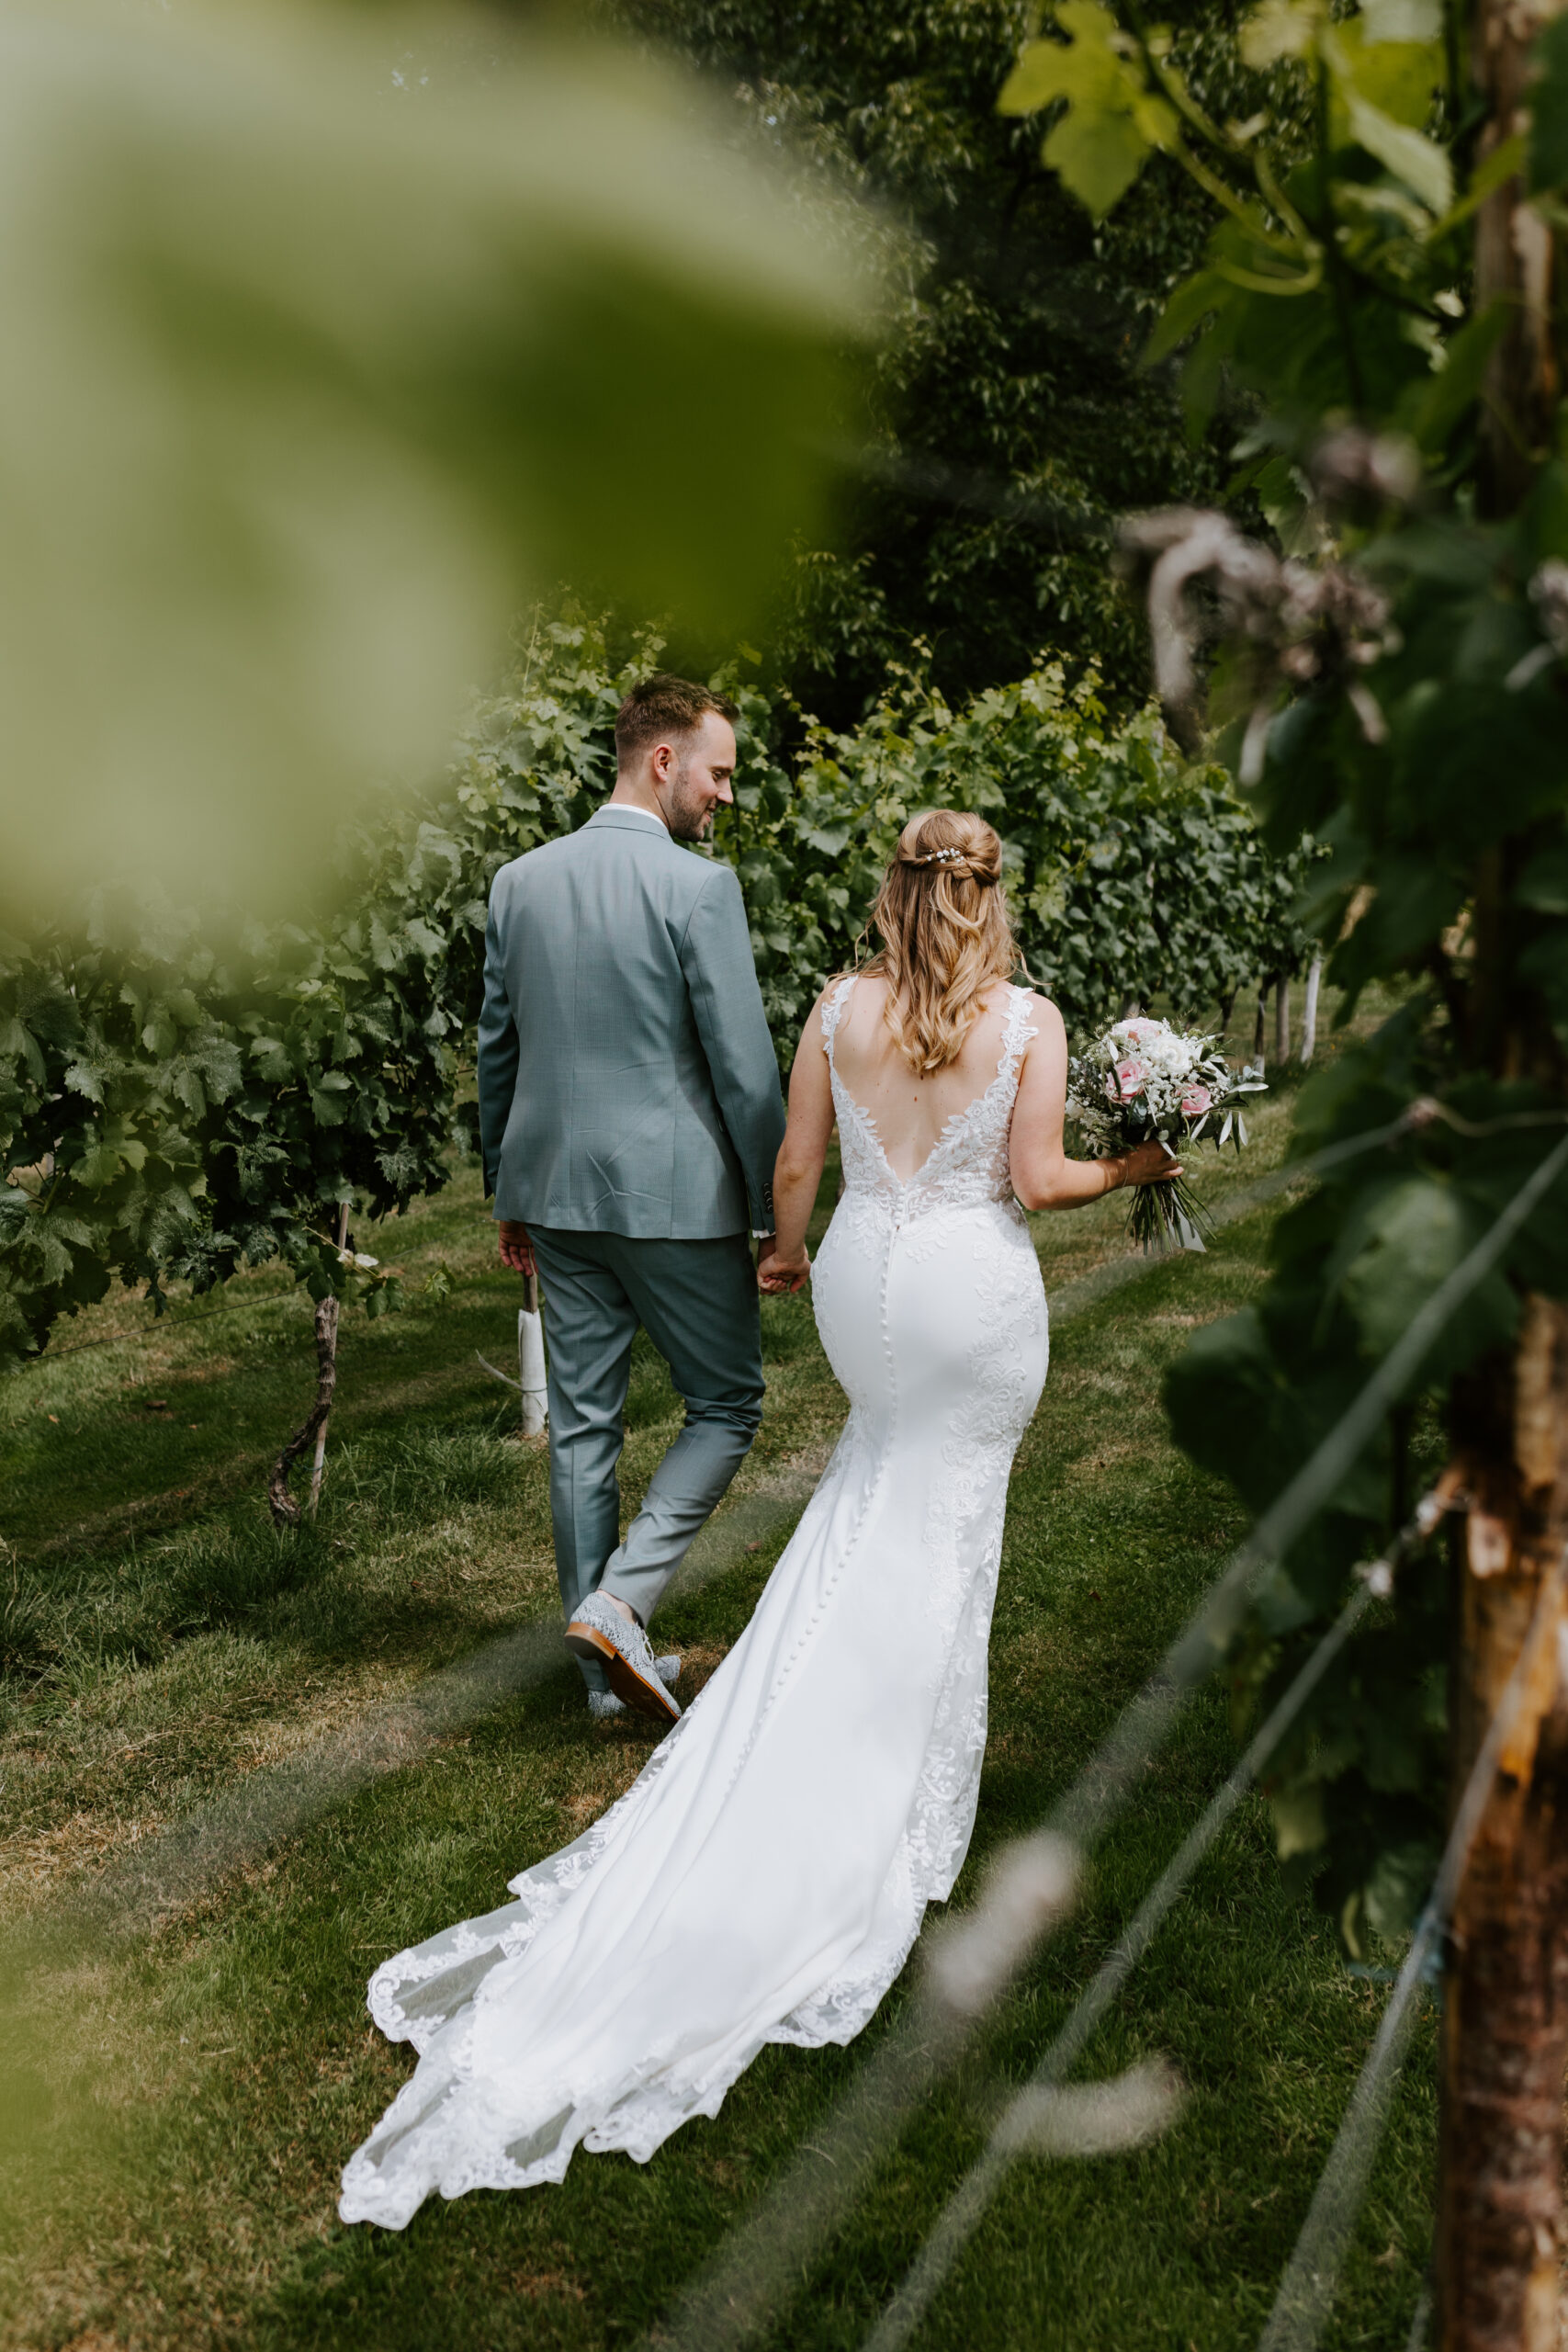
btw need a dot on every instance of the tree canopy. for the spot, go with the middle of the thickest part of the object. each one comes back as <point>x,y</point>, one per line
<point>1010,419</point>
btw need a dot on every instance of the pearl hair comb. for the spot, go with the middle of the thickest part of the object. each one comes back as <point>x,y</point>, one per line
<point>950,857</point>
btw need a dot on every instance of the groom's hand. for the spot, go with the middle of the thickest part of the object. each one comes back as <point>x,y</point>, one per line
<point>516,1250</point>
<point>780,1275</point>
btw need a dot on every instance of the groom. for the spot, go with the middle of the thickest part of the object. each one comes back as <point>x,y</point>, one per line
<point>629,1118</point>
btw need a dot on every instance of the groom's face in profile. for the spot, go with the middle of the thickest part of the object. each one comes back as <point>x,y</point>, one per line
<point>696,779</point>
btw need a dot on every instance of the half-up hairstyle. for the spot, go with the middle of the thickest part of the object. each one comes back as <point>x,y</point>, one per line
<point>945,934</point>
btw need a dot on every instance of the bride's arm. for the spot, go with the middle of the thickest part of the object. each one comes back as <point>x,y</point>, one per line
<point>1043,1175</point>
<point>798,1169</point>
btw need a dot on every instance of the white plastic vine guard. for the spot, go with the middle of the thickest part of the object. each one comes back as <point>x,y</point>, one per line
<point>531,1368</point>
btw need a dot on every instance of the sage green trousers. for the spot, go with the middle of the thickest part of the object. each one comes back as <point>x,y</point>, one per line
<point>698,1302</point>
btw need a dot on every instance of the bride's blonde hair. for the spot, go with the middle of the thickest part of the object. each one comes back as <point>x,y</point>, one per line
<point>945,933</point>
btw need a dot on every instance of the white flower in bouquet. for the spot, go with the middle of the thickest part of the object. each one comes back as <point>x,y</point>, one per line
<point>1144,1081</point>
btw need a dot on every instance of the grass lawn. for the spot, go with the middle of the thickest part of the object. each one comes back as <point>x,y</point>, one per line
<point>237,1769</point>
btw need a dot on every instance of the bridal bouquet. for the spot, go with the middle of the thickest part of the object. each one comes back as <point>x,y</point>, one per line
<point>1144,1080</point>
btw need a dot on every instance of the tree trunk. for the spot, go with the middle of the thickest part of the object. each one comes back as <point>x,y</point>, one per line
<point>1282,1018</point>
<point>1506,2003</point>
<point>281,1503</point>
<point>1309,1013</point>
<point>1506,1997</point>
<point>1257,1026</point>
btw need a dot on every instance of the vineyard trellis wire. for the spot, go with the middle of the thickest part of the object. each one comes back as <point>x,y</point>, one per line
<point>169,1870</point>
<point>1008,2140</point>
<point>1078,1295</point>
<point>771,2250</point>
<point>769,2253</point>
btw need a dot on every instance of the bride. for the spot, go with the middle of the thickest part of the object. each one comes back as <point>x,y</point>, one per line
<point>764,1877</point>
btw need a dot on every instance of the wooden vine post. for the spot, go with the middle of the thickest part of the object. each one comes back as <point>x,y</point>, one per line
<point>319,1464</point>
<point>280,1502</point>
<point>1500,2210</point>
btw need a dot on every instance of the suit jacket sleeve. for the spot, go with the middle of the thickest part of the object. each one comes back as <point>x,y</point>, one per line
<point>721,978</point>
<point>499,1050</point>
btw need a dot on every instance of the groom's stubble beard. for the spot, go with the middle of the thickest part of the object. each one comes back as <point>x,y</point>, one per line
<point>691,810</point>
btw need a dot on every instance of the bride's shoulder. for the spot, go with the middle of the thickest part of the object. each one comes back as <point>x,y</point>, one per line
<point>847,988</point>
<point>833,1003</point>
<point>1040,1013</point>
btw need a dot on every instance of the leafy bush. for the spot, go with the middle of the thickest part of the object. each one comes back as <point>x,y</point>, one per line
<point>1130,874</point>
<point>170,1108</point>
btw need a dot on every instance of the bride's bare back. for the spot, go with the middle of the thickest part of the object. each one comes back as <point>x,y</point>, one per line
<point>910,1111</point>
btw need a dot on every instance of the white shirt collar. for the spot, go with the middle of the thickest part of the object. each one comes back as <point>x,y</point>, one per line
<point>630,808</point>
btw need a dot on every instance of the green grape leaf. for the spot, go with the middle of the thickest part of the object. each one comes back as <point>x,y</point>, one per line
<point>1189,305</point>
<point>1422,165</point>
<point>1113,122</point>
<point>311,381</point>
<point>1544,882</point>
<point>1397,77</point>
<point>1411,1239</point>
<point>1281,28</point>
<point>1405,21</point>
<point>1441,403</point>
<point>1299,1825</point>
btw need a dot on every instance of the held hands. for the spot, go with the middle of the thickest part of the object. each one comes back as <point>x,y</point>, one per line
<point>516,1250</point>
<point>1148,1163</point>
<point>780,1275</point>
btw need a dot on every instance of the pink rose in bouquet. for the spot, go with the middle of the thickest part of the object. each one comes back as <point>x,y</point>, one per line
<point>1131,1078</point>
<point>1139,1029</point>
<point>1195,1102</point>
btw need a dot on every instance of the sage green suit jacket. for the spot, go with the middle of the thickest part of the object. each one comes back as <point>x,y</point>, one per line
<point>627,1082</point>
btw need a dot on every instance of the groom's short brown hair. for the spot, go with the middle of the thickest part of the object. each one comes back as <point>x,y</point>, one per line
<point>663,705</point>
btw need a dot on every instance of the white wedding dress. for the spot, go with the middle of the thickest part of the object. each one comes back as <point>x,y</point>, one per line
<point>764,1877</point>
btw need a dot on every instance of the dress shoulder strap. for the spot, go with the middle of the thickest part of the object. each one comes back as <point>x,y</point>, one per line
<point>1017,1029</point>
<point>833,1008</point>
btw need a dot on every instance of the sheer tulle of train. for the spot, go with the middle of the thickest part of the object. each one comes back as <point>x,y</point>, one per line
<point>764,1877</point>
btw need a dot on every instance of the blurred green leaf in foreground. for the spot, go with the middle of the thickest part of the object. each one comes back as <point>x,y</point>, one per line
<point>308,379</point>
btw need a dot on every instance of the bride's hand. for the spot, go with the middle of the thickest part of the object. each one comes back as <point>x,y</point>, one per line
<point>780,1275</point>
<point>1149,1163</point>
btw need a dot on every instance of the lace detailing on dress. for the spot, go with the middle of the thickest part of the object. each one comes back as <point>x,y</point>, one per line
<point>969,1160</point>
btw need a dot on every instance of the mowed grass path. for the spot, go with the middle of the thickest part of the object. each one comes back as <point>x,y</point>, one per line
<point>177,2103</point>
